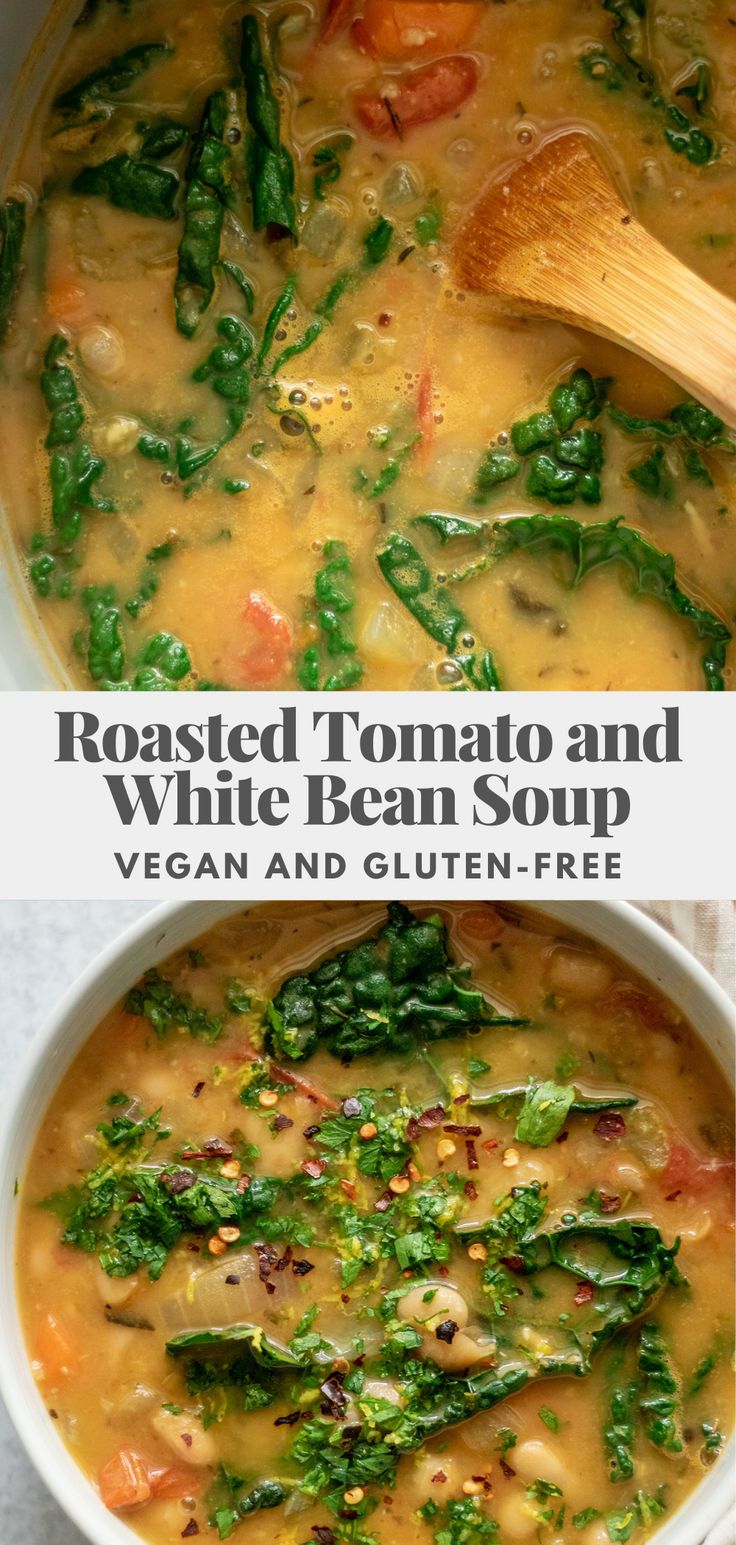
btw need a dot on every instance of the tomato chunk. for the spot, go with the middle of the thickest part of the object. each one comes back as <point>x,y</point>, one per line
<point>692,1174</point>
<point>481,923</point>
<point>421,96</point>
<point>336,17</point>
<point>268,656</point>
<point>414,29</point>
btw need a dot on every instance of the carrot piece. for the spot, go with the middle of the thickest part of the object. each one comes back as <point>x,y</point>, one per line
<point>417,29</point>
<point>54,1350</point>
<point>481,923</point>
<point>67,302</point>
<point>421,96</point>
<point>268,656</point>
<point>125,1481</point>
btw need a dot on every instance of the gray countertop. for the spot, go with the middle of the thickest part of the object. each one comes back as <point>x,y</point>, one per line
<point>43,947</point>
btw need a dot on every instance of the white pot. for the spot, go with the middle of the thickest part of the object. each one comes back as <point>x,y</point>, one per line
<point>615,925</point>
<point>31,32</point>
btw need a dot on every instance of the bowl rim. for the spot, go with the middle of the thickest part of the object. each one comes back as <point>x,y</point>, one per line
<point>161,930</point>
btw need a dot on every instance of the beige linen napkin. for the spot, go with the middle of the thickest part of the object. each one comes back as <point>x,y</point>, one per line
<point>708,930</point>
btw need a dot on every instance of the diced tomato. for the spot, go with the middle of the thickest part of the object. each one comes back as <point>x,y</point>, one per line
<point>421,96</point>
<point>628,998</point>
<point>67,301</point>
<point>268,656</point>
<point>481,923</point>
<point>125,1481</point>
<point>336,17</point>
<point>54,1350</point>
<point>415,29</point>
<point>690,1173</point>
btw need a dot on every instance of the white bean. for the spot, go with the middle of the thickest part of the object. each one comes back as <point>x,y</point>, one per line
<point>185,1437</point>
<point>534,1460</point>
<point>516,1518</point>
<point>576,974</point>
<point>447,1304</point>
<point>102,351</point>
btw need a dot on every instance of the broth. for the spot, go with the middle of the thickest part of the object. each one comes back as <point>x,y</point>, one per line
<point>228,512</point>
<point>437,1227</point>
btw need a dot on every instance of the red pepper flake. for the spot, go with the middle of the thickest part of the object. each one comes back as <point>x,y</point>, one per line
<point>53,1414</point>
<point>197,1090</point>
<point>506,1469</point>
<point>191,1529</point>
<point>213,1148</point>
<point>281,1122</point>
<point>323,1534</point>
<point>460,1099</point>
<point>562,1137</point>
<point>443,1271</point>
<point>513,1262</point>
<point>673,1196</point>
<point>348,1188</point>
<point>384,319</point>
<point>472,1156</point>
<point>243,1185</point>
<point>233,1280</point>
<point>584,1293</point>
<point>344,1298</point>
<point>609,1203</point>
<point>384,1202</point>
<point>287,1421</point>
<point>182,1180</point>
<point>447,1331</point>
<point>461,1131</point>
<point>610,1124</point>
<point>489,1144</point>
<point>313,1167</point>
<point>186,1438</point>
<point>431,1118</point>
<point>471,1190</point>
<point>439,1478</point>
<point>302,1268</point>
<point>312,1131</point>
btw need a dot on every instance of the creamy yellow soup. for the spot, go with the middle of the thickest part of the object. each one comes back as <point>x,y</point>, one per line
<point>353,1227</point>
<point>254,393</point>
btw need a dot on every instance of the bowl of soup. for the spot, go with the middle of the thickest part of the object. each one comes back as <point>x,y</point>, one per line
<point>352,1223</point>
<point>254,432</point>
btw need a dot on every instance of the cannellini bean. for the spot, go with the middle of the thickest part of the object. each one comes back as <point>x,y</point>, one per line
<point>595,1534</point>
<point>516,1518</point>
<point>114,1290</point>
<point>577,974</point>
<point>531,1168</point>
<point>624,1174</point>
<point>462,1352</point>
<point>447,1304</point>
<point>418,1479</point>
<point>693,1232</point>
<point>535,1460</point>
<point>380,1389</point>
<point>117,436</point>
<point>102,350</point>
<point>186,1438</point>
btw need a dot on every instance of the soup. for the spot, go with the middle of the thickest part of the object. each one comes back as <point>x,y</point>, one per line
<point>253,434</point>
<point>347,1227</point>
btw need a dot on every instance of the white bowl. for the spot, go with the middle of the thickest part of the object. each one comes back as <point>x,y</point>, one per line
<point>616,925</point>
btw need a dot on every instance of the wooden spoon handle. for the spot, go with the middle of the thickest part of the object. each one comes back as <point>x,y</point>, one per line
<point>555,238</point>
<point>647,300</point>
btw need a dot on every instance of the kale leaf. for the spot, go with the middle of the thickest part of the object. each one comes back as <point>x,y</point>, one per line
<point>119,74</point>
<point>269,164</point>
<point>331,664</point>
<point>434,608</point>
<point>209,179</point>
<point>157,1000</point>
<point>394,990</point>
<point>131,184</point>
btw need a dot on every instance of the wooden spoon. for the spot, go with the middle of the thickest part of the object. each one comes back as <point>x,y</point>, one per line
<point>555,238</point>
